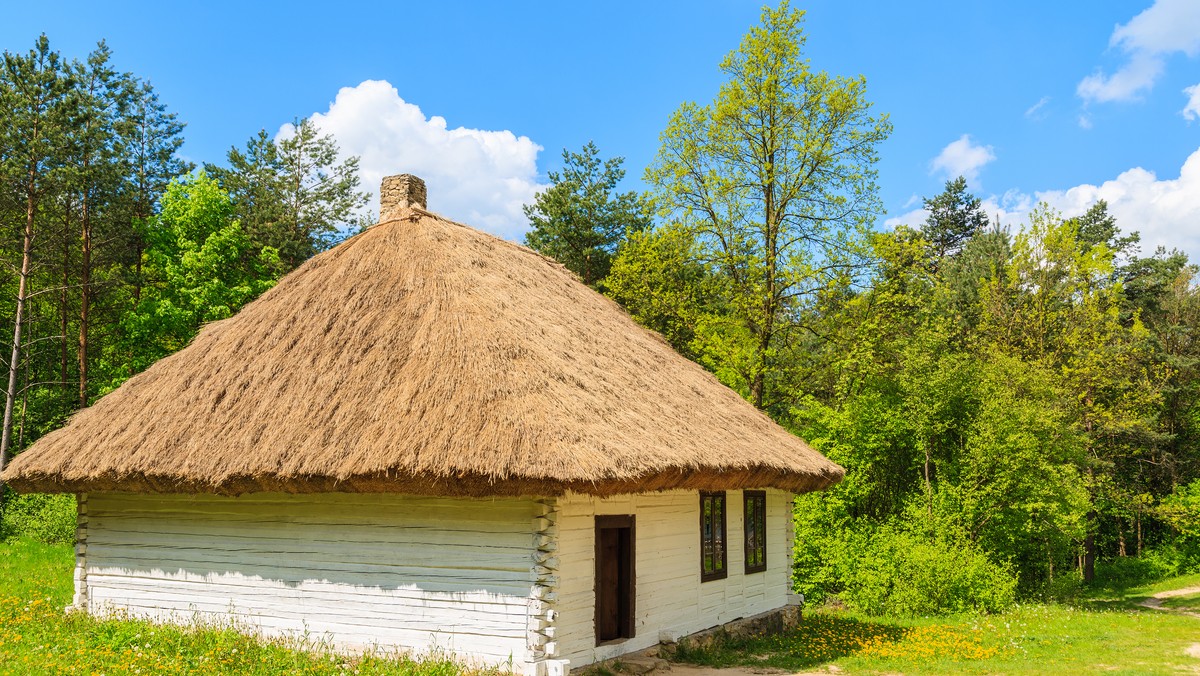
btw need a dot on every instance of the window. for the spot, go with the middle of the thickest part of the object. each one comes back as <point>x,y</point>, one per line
<point>756,531</point>
<point>713,557</point>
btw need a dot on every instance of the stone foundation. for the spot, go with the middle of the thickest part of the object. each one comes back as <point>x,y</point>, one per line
<point>655,659</point>
<point>771,622</point>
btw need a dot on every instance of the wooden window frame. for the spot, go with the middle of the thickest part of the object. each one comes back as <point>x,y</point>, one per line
<point>723,538</point>
<point>630,620</point>
<point>760,528</point>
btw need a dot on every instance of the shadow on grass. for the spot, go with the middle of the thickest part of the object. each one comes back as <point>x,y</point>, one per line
<point>818,639</point>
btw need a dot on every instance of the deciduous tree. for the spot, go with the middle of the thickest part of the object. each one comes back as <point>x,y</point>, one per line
<point>777,179</point>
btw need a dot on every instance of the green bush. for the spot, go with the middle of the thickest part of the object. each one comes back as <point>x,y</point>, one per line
<point>904,573</point>
<point>1181,510</point>
<point>1131,571</point>
<point>48,518</point>
<point>1181,557</point>
<point>915,564</point>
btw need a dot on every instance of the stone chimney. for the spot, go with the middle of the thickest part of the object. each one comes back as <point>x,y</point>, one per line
<point>400,192</point>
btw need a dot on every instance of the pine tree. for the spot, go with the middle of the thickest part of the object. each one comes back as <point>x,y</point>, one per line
<point>580,221</point>
<point>293,194</point>
<point>33,87</point>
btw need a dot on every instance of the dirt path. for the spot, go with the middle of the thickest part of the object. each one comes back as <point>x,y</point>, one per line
<point>1155,602</point>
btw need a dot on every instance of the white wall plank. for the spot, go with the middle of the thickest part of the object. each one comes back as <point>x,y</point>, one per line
<point>354,570</point>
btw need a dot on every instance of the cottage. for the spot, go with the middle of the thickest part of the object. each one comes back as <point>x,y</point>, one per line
<point>430,437</point>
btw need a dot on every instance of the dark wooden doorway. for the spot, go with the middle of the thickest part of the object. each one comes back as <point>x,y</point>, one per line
<point>614,577</point>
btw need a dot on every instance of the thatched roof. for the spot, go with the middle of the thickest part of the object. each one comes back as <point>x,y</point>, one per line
<point>423,356</point>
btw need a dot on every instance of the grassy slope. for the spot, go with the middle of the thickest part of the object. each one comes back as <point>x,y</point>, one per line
<point>1114,636</point>
<point>36,637</point>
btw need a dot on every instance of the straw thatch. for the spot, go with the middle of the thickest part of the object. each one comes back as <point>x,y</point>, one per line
<point>424,357</point>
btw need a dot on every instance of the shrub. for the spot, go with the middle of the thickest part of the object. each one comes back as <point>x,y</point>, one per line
<point>904,573</point>
<point>1131,571</point>
<point>1181,510</point>
<point>918,563</point>
<point>48,518</point>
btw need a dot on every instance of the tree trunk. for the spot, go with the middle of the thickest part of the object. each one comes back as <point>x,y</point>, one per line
<point>1138,517</point>
<point>139,249</point>
<point>756,390</point>
<point>18,321</point>
<point>1089,541</point>
<point>64,299</point>
<point>1089,552</point>
<point>24,396</point>
<point>85,297</point>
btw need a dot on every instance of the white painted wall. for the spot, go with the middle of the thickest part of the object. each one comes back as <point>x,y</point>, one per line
<point>669,594</point>
<point>355,569</point>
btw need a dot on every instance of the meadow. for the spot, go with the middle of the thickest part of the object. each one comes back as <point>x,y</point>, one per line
<point>1108,633</point>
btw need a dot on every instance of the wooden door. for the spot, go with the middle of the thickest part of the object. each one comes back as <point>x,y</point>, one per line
<point>614,578</point>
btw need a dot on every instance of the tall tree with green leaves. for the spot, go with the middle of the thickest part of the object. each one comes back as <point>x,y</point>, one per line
<point>1058,306</point>
<point>777,179</point>
<point>292,193</point>
<point>152,138</point>
<point>33,131</point>
<point>200,266</point>
<point>253,181</point>
<point>98,103</point>
<point>321,193</point>
<point>580,221</point>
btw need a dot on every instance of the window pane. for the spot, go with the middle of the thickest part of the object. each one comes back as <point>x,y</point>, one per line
<point>706,534</point>
<point>756,530</point>
<point>752,530</point>
<point>762,529</point>
<point>719,532</point>
<point>713,552</point>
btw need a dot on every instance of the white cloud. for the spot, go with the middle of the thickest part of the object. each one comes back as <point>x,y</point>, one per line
<point>1167,27</point>
<point>1036,112</point>
<point>912,219</point>
<point>475,176</point>
<point>1125,84</point>
<point>962,158</point>
<point>1191,111</point>
<point>1085,122</point>
<point>1165,211</point>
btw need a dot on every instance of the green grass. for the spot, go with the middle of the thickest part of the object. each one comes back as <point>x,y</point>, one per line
<point>1113,635</point>
<point>1110,634</point>
<point>37,637</point>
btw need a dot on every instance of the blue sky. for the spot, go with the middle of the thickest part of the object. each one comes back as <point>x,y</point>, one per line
<point>1063,101</point>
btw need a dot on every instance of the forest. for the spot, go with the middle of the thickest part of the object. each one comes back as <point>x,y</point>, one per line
<point>1015,407</point>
